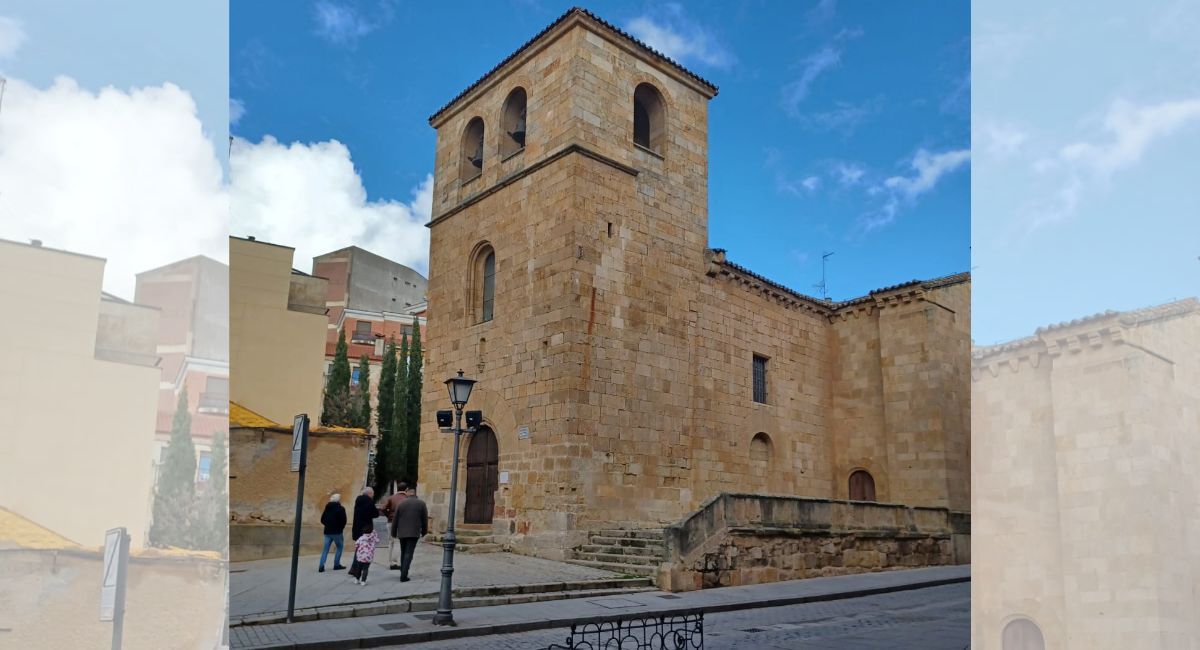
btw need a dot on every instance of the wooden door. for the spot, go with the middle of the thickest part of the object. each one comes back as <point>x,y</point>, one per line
<point>862,486</point>
<point>483,477</point>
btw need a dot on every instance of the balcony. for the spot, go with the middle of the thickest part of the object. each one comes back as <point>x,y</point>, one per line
<point>213,403</point>
<point>365,338</point>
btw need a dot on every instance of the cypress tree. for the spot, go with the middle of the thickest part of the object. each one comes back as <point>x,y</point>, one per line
<point>212,526</point>
<point>398,452</point>
<point>414,380</point>
<point>336,410</point>
<point>362,394</point>
<point>385,407</point>
<point>175,492</point>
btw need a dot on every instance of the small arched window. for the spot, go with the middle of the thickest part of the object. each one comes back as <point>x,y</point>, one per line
<point>760,454</point>
<point>649,118</point>
<point>472,150</point>
<point>1022,634</point>
<point>513,123</point>
<point>862,486</point>
<point>483,284</point>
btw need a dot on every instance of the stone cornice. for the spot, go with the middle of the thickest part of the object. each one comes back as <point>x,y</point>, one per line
<point>573,148</point>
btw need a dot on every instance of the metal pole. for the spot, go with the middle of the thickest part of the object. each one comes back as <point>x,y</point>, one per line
<point>444,615</point>
<point>118,630</point>
<point>296,527</point>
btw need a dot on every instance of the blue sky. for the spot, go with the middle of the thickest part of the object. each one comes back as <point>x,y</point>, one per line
<point>1086,128</point>
<point>840,126</point>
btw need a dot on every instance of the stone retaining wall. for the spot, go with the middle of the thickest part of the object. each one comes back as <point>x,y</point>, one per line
<point>737,539</point>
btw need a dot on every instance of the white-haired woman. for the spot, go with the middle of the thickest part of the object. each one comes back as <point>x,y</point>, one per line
<point>334,520</point>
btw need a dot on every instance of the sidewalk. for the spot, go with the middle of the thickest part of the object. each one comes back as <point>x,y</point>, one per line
<point>415,628</point>
<point>260,587</point>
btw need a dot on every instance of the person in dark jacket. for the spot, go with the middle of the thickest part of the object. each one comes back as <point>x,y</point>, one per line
<point>334,520</point>
<point>364,511</point>
<point>409,524</point>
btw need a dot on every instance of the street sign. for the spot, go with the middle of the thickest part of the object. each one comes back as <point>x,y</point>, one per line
<point>299,433</point>
<point>523,433</point>
<point>112,581</point>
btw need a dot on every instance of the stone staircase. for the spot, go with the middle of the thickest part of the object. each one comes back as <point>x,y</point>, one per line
<point>627,551</point>
<point>475,538</point>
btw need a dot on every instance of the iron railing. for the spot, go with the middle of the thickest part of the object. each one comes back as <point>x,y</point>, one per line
<point>679,632</point>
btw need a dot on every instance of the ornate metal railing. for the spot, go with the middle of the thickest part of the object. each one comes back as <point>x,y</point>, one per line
<point>681,632</point>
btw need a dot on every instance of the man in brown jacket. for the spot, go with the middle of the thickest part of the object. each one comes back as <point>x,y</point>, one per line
<point>409,524</point>
<point>389,511</point>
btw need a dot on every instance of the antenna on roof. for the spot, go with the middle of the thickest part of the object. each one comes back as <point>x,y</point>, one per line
<point>821,286</point>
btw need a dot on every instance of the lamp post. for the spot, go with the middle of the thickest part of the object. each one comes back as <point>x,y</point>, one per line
<point>460,392</point>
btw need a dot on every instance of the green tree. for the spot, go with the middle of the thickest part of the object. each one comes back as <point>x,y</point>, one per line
<point>175,491</point>
<point>337,409</point>
<point>385,406</point>
<point>398,451</point>
<point>211,530</point>
<point>414,379</point>
<point>362,394</point>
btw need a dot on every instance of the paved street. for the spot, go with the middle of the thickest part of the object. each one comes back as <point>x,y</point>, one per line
<point>936,618</point>
<point>262,586</point>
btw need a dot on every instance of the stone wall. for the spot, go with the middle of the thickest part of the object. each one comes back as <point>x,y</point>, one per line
<point>262,489</point>
<point>52,600</point>
<point>738,539</point>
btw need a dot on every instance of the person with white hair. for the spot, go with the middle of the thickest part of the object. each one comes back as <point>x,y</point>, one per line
<point>364,511</point>
<point>334,520</point>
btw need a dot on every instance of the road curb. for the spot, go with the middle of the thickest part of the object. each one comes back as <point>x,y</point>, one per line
<point>446,633</point>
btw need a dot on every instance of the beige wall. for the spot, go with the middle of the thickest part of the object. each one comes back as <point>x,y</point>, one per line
<point>628,356</point>
<point>277,353</point>
<point>100,444</point>
<point>1086,509</point>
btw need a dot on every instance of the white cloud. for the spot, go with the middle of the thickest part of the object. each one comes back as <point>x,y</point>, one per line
<point>844,116</point>
<point>310,197</point>
<point>811,183</point>
<point>343,24</point>
<point>1131,130</point>
<point>849,173</point>
<point>12,36</point>
<point>1000,139</point>
<point>237,108</point>
<point>675,35</point>
<point>815,64</point>
<point>129,176</point>
<point>902,191</point>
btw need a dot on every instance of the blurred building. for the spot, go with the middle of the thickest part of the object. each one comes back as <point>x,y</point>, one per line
<point>84,397</point>
<point>192,296</point>
<point>374,300</point>
<point>1086,509</point>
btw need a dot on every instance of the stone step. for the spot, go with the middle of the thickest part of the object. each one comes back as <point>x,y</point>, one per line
<point>626,569</point>
<point>462,528</point>
<point>632,533</point>
<point>622,550</point>
<point>606,540</point>
<point>467,532</point>
<point>475,539</point>
<point>478,548</point>
<point>640,560</point>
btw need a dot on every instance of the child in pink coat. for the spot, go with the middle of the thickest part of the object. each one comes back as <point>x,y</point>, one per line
<point>364,552</point>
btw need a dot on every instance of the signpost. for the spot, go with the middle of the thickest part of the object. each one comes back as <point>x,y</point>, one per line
<point>112,582</point>
<point>299,464</point>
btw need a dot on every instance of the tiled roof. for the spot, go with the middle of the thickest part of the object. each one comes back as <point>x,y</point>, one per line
<point>603,23</point>
<point>19,532</point>
<point>244,418</point>
<point>935,283</point>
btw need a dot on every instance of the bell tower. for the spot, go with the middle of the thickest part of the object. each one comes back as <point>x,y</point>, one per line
<point>570,204</point>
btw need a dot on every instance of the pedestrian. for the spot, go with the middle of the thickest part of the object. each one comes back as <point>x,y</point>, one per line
<point>334,520</point>
<point>389,511</point>
<point>364,552</point>
<point>365,512</point>
<point>410,524</point>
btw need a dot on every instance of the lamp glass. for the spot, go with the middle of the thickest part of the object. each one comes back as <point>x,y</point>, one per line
<point>460,389</point>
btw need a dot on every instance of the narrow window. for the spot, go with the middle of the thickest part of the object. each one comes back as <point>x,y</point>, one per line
<point>513,123</point>
<point>472,150</point>
<point>489,285</point>
<point>760,379</point>
<point>862,486</point>
<point>204,468</point>
<point>610,229</point>
<point>649,118</point>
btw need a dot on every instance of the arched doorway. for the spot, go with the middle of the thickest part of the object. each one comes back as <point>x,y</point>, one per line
<point>1022,634</point>
<point>483,477</point>
<point>862,486</point>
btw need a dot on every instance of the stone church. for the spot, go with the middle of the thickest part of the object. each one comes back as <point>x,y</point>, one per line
<point>628,373</point>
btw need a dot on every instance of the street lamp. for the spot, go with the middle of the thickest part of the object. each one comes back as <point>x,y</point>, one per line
<point>460,391</point>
